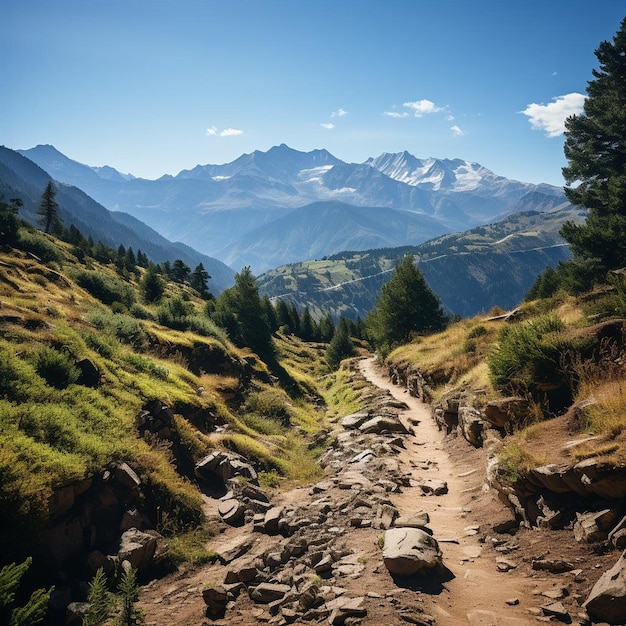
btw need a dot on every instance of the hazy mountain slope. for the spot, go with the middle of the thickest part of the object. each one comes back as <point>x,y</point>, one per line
<point>324,228</point>
<point>19,177</point>
<point>214,207</point>
<point>471,271</point>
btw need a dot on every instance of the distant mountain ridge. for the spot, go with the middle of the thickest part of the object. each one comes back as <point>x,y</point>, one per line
<point>20,177</point>
<point>226,210</point>
<point>471,272</point>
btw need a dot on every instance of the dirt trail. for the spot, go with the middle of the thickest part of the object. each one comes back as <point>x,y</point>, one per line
<point>475,591</point>
<point>479,592</point>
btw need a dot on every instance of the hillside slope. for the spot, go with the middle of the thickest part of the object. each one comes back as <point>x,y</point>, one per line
<point>487,266</point>
<point>19,177</point>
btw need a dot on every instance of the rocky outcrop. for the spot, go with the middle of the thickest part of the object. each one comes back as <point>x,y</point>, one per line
<point>222,466</point>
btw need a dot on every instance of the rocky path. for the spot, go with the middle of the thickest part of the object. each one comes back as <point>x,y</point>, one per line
<point>315,554</point>
<point>480,591</point>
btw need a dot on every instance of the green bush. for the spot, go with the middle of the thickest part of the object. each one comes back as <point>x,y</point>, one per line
<point>37,243</point>
<point>524,353</point>
<point>142,313</point>
<point>16,377</point>
<point>142,364</point>
<point>174,313</point>
<point>535,354</point>
<point>270,405</point>
<point>106,287</point>
<point>127,329</point>
<point>101,343</point>
<point>56,368</point>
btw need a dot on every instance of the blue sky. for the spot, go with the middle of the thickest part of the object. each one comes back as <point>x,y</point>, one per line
<point>153,87</point>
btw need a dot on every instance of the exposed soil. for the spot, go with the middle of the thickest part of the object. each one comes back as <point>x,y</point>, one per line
<point>475,590</point>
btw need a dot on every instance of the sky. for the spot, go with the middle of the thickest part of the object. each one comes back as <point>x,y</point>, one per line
<point>152,87</point>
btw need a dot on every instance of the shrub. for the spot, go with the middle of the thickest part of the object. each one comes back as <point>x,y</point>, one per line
<point>269,404</point>
<point>56,368</point>
<point>40,246</point>
<point>103,344</point>
<point>106,287</point>
<point>141,312</point>
<point>174,313</point>
<point>535,356</point>
<point>127,329</point>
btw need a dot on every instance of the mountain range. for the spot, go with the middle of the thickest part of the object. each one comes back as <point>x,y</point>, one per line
<point>266,209</point>
<point>471,272</point>
<point>21,178</point>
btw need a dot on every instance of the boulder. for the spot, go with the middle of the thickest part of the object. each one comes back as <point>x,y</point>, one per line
<point>354,420</point>
<point>409,550</point>
<point>231,511</point>
<point>216,599</point>
<point>504,410</point>
<point>272,519</point>
<point>472,425</point>
<point>346,608</point>
<point>381,424</point>
<point>269,592</point>
<point>595,526</point>
<point>607,600</point>
<point>228,551</point>
<point>224,466</point>
<point>433,487</point>
<point>138,548</point>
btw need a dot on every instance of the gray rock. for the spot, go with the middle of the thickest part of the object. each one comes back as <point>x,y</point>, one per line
<point>354,420</point>
<point>269,592</point>
<point>231,511</point>
<point>607,600</point>
<point>138,548</point>
<point>272,519</point>
<point>554,566</point>
<point>591,527</point>
<point>215,598</point>
<point>409,550</point>
<point>348,607</point>
<point>380,424</point>
<point>228,551</point>
<point>415,520</point>
<point>433,487</point>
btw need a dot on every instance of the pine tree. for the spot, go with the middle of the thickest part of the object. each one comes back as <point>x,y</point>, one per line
<point>34,611</point>
<point>595,148</point>
<point>99,601</point>
<point>405,306</point>
<point>128,591</point>
<point>48,210</point>
<point>9,222</point>
<point>239,311</point>
<point>199,281</point>
<point>151,284</point>
<point>340,346</point>
<point>180,271</point>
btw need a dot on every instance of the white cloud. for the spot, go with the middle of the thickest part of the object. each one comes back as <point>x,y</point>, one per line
<point>339,113</point>
<point>449,118</point>
<point>551,117</point>
<point>422,107</point>
<point>396,113</point>
<point>226,132</point>
<point>456,131</point>
<point>231,132</point>
<point>327,126</point>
